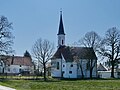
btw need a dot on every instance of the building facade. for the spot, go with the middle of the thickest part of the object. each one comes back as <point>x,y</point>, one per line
<point>72,62</point>
<point>17,65</point>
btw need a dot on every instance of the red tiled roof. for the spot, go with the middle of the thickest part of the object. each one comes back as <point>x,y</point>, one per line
<point>18,60</point>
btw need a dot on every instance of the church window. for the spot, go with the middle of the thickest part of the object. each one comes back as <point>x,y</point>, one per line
<point>118,73</point>
<point>20,70</point>
<point>63,65</point>
<point>70,72</point>
<point>8,69</point>
<point>57,65</point>
<point>62,42</point>
<point>3,70</point>
<point>71,65</point>
<point>63,72</point>
<point>88,65</point>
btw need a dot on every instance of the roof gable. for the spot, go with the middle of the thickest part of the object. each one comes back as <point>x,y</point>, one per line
<point>101,67</point>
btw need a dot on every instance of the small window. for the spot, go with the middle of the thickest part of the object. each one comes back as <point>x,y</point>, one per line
<point>118,73</point>
<point>63,72</point>
<point>62,42</point>
<point>20,65</point>
<point>63,65</point>
<point>8,69</point>
<point>71,65</point>
<point>88,65</point>
<point>20,70</point>
<point>57,65</point>
<point>70,72</point>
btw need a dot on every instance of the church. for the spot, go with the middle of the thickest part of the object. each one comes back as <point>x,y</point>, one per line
<point>72,62</point>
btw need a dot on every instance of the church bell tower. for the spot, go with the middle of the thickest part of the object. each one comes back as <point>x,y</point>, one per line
<point>61,34</point>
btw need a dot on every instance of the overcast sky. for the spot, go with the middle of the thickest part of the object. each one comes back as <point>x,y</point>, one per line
<point>33,19</point>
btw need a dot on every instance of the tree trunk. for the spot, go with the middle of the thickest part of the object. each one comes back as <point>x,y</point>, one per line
<point>90,73</point>
<point>91,68</point>
<point>44,72</point>
<point>82,71</point>
<point>112,62</point>
<point>112,71</point>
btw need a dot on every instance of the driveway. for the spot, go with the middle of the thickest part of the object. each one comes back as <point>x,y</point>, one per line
<point>6,88</point>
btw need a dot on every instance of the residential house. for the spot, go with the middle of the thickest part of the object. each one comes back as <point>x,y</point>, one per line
<point>17,65</point>
<point>104,72</point>
<point>1,66</point>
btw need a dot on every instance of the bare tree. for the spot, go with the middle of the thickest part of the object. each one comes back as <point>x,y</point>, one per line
<point>42,50</point>
<point>91,60</point>
<point>79,64</point>
<point>91,40</point>
<point>6,37</point>
<point>111,47</point>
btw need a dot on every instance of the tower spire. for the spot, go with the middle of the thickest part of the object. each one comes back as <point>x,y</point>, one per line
<point>61,33</point>
<point>61,27</point>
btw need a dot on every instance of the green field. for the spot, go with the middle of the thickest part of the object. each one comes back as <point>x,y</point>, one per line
<point>63,84</point>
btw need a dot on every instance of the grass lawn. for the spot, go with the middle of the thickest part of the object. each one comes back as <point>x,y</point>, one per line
<point>63,84</point>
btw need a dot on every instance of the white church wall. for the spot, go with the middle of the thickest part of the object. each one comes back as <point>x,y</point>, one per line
<point>82,62</point>
<point>70,70</point>
<point>86,71</point>
<point>61,39</point>
<point>94,71</point>
<point>56,72</point>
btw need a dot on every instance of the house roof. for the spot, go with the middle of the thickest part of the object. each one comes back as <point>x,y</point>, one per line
<point>70,53</point>
<point>18,60</point>
<point>101,67</point>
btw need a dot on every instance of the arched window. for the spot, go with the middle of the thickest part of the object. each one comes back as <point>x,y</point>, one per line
<point>57,65</point>
<point>62,42</point>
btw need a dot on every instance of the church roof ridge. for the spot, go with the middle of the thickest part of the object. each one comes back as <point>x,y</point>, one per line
<point>70,52</point>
